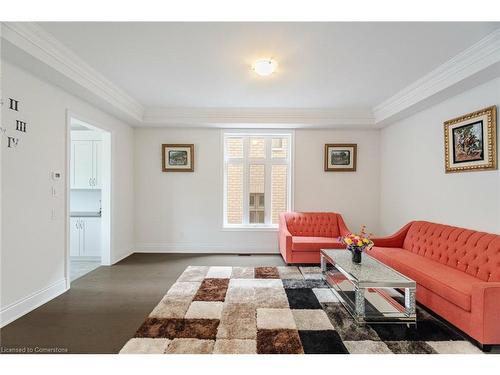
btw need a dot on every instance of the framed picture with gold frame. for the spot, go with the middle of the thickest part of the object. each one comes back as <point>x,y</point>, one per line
<point>340,157</point>
<point>470,141</point>
<point>177,158</point>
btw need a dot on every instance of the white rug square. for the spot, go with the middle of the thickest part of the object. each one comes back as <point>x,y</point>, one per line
<point>194,273</point>
<point>290,273</point>
<point>325,295</point>
<point>312,320</point>
<point>275,319</point>
<point>235,346</point>
<point>190,346</point>
<point>240,295</point>
<point>255,283</point>
<point>243,273</point>
<point>219,272</point>
<point>311,273</point>
<point>168,308</point>
<point>271,298</point>
<point>204,310</point>
<point>184,289</point>
<point>145,346</point>
<point>454,347</point>
<point>367,347</point>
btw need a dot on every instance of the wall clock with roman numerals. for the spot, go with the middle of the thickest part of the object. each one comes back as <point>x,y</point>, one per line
<point>19,126</point>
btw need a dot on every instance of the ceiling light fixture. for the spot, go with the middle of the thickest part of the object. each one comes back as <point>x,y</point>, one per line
<point>265,67</point>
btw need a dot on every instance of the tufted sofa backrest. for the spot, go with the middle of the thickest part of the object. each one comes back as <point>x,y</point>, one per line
<point>475,253</point>
<point>312,224</point>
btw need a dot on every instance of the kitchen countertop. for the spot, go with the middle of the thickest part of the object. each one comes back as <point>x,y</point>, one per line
<point>85,214</point>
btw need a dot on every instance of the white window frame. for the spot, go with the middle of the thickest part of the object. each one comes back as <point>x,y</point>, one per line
<point>267,162</point>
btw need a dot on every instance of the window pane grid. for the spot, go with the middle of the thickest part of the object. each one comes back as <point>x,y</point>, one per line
<point>234,189</point>
<point>257,180</point>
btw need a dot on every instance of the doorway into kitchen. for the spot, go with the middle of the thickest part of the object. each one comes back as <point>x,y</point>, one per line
<point>89,198</point>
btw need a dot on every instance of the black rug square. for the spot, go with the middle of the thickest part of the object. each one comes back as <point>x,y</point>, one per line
<point>302,298</point>
<point>322,342</point>
<point>426,330</point>
<point>346,326</point>
<point>410,347</point>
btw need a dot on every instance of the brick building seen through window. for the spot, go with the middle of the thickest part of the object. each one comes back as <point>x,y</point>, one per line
<point>256,178</point>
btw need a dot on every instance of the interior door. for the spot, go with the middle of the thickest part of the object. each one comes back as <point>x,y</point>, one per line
<point>83,164</point>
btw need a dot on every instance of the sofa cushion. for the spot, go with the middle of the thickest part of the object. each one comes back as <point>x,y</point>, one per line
<point>449,283</point>
<point>474,253</point>
<point>312,224</point>
<point>301,243</point>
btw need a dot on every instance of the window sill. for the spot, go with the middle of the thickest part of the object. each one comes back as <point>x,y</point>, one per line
<point>249,228</point>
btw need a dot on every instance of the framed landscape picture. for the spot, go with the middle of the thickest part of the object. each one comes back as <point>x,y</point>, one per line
<point>470,141</point>
<point>340,157</point>
<point>178,158</point>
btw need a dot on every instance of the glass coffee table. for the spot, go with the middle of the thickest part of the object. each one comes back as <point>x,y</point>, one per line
<point>371,290</point>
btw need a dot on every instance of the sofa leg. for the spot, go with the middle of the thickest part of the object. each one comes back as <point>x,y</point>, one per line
<point>485,348</point>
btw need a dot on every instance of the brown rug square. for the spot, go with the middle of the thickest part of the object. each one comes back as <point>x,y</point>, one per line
<point>266,273</point>
<point>212,290</point>
<point>278,341</point>
<point>179,328</point>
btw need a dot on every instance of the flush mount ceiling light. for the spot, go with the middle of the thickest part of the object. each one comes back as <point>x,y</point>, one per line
<point>265,67</point>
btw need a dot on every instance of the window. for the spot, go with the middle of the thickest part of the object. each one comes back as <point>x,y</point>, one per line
<point>257,178</point>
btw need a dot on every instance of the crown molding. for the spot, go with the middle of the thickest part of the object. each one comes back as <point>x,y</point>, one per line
<point>35,41</point>
<point>475,59</point>
<point>289,117</point>
<point>458,73</point>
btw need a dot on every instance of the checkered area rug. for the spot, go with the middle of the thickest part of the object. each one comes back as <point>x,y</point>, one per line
<point>266,310</point>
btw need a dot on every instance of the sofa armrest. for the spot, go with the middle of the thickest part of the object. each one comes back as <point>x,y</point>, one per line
<point>485,304</point>
<point>284,236</point>
<point>396,240</point>
<point>343,230</point>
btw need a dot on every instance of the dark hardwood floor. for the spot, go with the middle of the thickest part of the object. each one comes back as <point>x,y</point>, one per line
<point>103,309</point>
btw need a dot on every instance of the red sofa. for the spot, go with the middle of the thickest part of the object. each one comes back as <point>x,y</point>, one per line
<point>303,234</point>
<point>457,273</point>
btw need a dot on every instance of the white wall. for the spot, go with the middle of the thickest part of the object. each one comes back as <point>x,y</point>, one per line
<point>85,200</point>
<point>353,194</point>
<point>183,211</point>
<point>34,244</point>
<point>414,185</point>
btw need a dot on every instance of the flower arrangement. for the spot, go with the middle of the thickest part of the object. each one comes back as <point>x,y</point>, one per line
<point>357,243</point>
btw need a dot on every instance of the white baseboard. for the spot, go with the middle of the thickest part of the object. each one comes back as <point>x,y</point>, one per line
<point>19,308</point>
<point>201,248</point>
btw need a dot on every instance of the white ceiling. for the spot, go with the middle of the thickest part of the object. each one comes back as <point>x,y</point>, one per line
<point>322,65</point>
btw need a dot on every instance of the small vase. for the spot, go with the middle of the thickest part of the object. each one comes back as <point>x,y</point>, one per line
<point>356,256</point>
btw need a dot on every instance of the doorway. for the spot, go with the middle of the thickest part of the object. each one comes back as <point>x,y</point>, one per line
<point>88,198</point>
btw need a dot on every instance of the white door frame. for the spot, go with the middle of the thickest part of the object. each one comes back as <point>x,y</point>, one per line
<point>105,190</point>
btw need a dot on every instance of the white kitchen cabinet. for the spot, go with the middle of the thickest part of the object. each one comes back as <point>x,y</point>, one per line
<point>86,164</point>
<point>97,150</point>
<point>92,237</point>
<point>85,237</point>
<point>74,237</point>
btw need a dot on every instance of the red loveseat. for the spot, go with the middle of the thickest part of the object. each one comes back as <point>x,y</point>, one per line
<point>303,234</point>
<point>457,273</point>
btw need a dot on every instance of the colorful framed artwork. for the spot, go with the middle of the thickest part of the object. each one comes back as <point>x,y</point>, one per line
<point>340,157</point>
<point>177,158</point>
<point>470,142</point>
